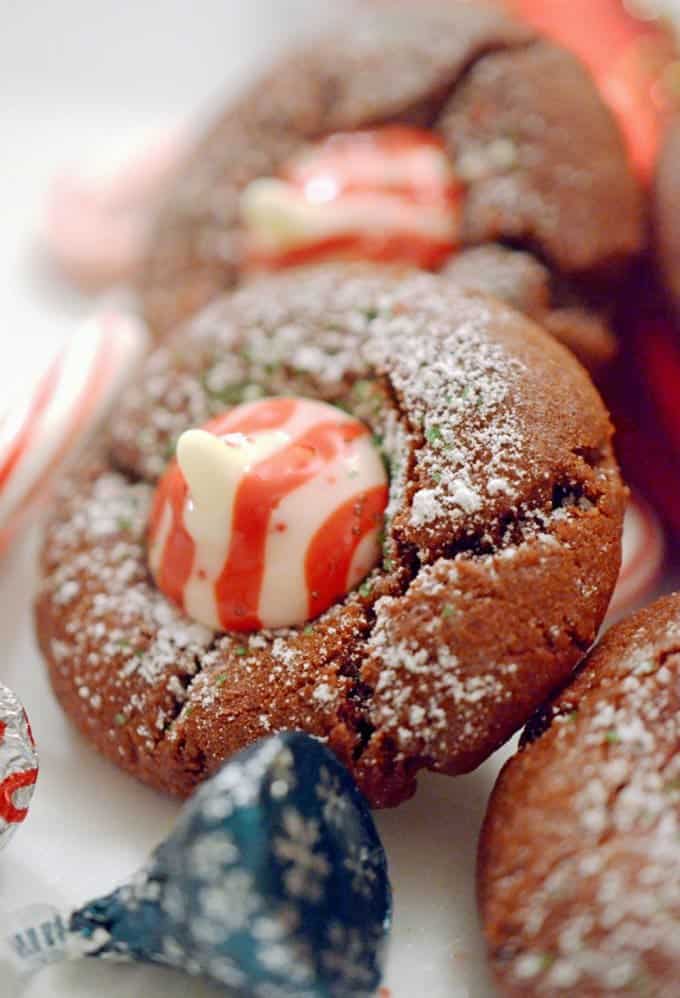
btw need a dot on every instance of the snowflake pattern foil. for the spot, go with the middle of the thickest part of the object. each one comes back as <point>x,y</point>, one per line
<point>274,882</point>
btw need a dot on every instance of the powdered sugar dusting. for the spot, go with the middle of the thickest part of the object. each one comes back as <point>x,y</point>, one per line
<point>455,396</point>
<point>439,378</point>
<point>606,917</point>
<point>423,671</point>
<point>136,646</point>
<point>436,392</point>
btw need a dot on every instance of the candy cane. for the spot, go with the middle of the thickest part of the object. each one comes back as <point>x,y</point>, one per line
<point>96,229</point>
<point>643,553</point>
<point>52,415</point>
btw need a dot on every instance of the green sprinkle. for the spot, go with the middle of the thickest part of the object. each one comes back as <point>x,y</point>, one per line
<point>170,448</point>
<point>612,737</point>
<point>388,564</point>
<point>572,715</point>
<point>365,588</point>
<point>436,477</point>
<point>253,392</point>
<point>221,680</point>
<point>433,435</point>
<point>231,394</point>
<point>465,394</point>
<point>371,314</point>
<point>124,523</point>
<point>362,388</point>
<point>120,720</point>
<point>188,712</point>
<point>642,986</point>
<point>308,629</point>
<point>447,611</point>
<point>124,645</point>
<point>241,651</point>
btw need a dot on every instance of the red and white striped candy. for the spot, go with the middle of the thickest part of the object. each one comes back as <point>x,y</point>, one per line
<point>389,194</point>
<point>18,764</point>
<point>270,514</point>
<point>45,421</point>
<point>642,559</point>
<point>96,229</point>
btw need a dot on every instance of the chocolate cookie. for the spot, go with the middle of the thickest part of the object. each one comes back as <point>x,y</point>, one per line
<point>579,879</point>
<point>540,158</point>
<point>520,280</point>
<point>501,545</point>
<point>666,204</point>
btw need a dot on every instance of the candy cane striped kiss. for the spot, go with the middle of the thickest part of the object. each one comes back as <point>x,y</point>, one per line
<point>388,194</point>
<point>271,514</point>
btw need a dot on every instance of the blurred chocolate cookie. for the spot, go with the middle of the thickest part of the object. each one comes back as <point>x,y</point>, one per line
<point>538,157</point>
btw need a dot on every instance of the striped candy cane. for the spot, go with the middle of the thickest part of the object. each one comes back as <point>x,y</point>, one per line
<point>50,416</point>
<point>642,559</point>
<point>96,228</point>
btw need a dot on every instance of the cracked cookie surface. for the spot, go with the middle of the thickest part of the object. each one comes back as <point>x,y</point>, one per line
<point>501,548</point>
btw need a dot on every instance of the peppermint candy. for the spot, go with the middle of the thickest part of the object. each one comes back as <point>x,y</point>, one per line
<point>643,550</point>
<point>52,415</point>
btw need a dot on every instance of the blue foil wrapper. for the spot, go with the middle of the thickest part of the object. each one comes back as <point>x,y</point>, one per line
<point>273,883</point>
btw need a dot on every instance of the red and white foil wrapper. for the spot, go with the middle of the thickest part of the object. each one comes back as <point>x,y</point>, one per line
<point>641,562</point>
<point>18,764</point>
<point>52,415</point>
